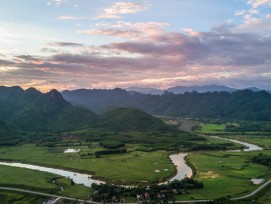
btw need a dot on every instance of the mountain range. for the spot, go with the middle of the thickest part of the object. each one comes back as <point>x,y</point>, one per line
<point>119,110</point>
<point>183,89</point>
<point>238,105</point>
<point>33,111</point>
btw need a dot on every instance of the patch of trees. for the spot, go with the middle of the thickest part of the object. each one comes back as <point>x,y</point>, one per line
<point>262,159</point>
<point>222,146</point>
<point>111,144</point>
<point>9,143</point>
<point>196,138</point>
<point>249,127</point>
<point>111,151</point>
<point>153,193</point>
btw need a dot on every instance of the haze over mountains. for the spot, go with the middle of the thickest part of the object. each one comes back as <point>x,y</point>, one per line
<point>32,111</point>
<point>183,89</point>
<point>238,105</point>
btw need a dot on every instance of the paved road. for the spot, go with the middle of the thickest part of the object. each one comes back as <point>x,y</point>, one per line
<point>46,194</point>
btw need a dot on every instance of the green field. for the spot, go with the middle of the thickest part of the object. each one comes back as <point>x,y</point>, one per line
<point>40,181</point>
<point>19,198</point>
<point>212,128</point>
<point>130,167</point>
<point>265,196</point>
<point>225,174</point>
<point>260,138</point>
<point>263,141</point>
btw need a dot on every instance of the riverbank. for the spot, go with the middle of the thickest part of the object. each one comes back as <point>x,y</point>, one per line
<point>133,166</point>
<point>86,179</point>
<point>218,171</point>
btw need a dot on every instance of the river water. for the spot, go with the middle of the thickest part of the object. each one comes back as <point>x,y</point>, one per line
<point>183,170</point>
<point>249,147</point>
<point>78,178</point>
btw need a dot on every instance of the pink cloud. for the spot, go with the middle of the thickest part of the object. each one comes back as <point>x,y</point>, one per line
<point>120,8</point>
<point>258,3</point>
<point>158,59</point>
<point>71,17</point>
<point>134,31</point>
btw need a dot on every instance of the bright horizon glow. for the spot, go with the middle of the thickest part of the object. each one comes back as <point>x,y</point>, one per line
<point>71,44</point>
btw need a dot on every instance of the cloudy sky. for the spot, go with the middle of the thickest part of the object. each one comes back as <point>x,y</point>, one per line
<point>70,44</point>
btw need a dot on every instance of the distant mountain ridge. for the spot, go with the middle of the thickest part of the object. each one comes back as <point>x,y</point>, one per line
<point>183,89</point>
<point>238,105</point>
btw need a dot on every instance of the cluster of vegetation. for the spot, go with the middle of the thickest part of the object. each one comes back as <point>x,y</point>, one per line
<point>111,151</point>
<point>249,126</point>
<point>153,193</point>
<point>262,159</point>
<point>12,142</point>
<point>111,144</point>
<point>171,140</point>
<point>220,146</point>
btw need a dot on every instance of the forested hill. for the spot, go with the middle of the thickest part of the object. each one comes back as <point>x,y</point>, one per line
<point>130,119</point>
<point>240,105</point>
<point>31,110</point>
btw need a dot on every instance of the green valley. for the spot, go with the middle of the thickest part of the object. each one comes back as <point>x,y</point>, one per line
<point>125,146</point>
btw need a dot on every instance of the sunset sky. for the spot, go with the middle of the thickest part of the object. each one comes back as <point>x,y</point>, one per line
<point>70,44</point>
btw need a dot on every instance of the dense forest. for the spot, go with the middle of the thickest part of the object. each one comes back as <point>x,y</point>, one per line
<point>239,105</point>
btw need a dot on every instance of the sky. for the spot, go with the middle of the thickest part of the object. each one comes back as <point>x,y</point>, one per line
<point>72,44</point>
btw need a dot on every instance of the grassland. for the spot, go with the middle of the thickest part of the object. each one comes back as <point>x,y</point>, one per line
<point>263,141</point>
<point>265,196</point>
<point>261,138</point>
<point>212,128</point>
<point>41,181</point>
<point>225,174</point>
<point>19,198</point>
<point>130,167</point>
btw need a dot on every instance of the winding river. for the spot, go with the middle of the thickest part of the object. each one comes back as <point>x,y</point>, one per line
<point>183,170</point>
<point>249,147</point>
